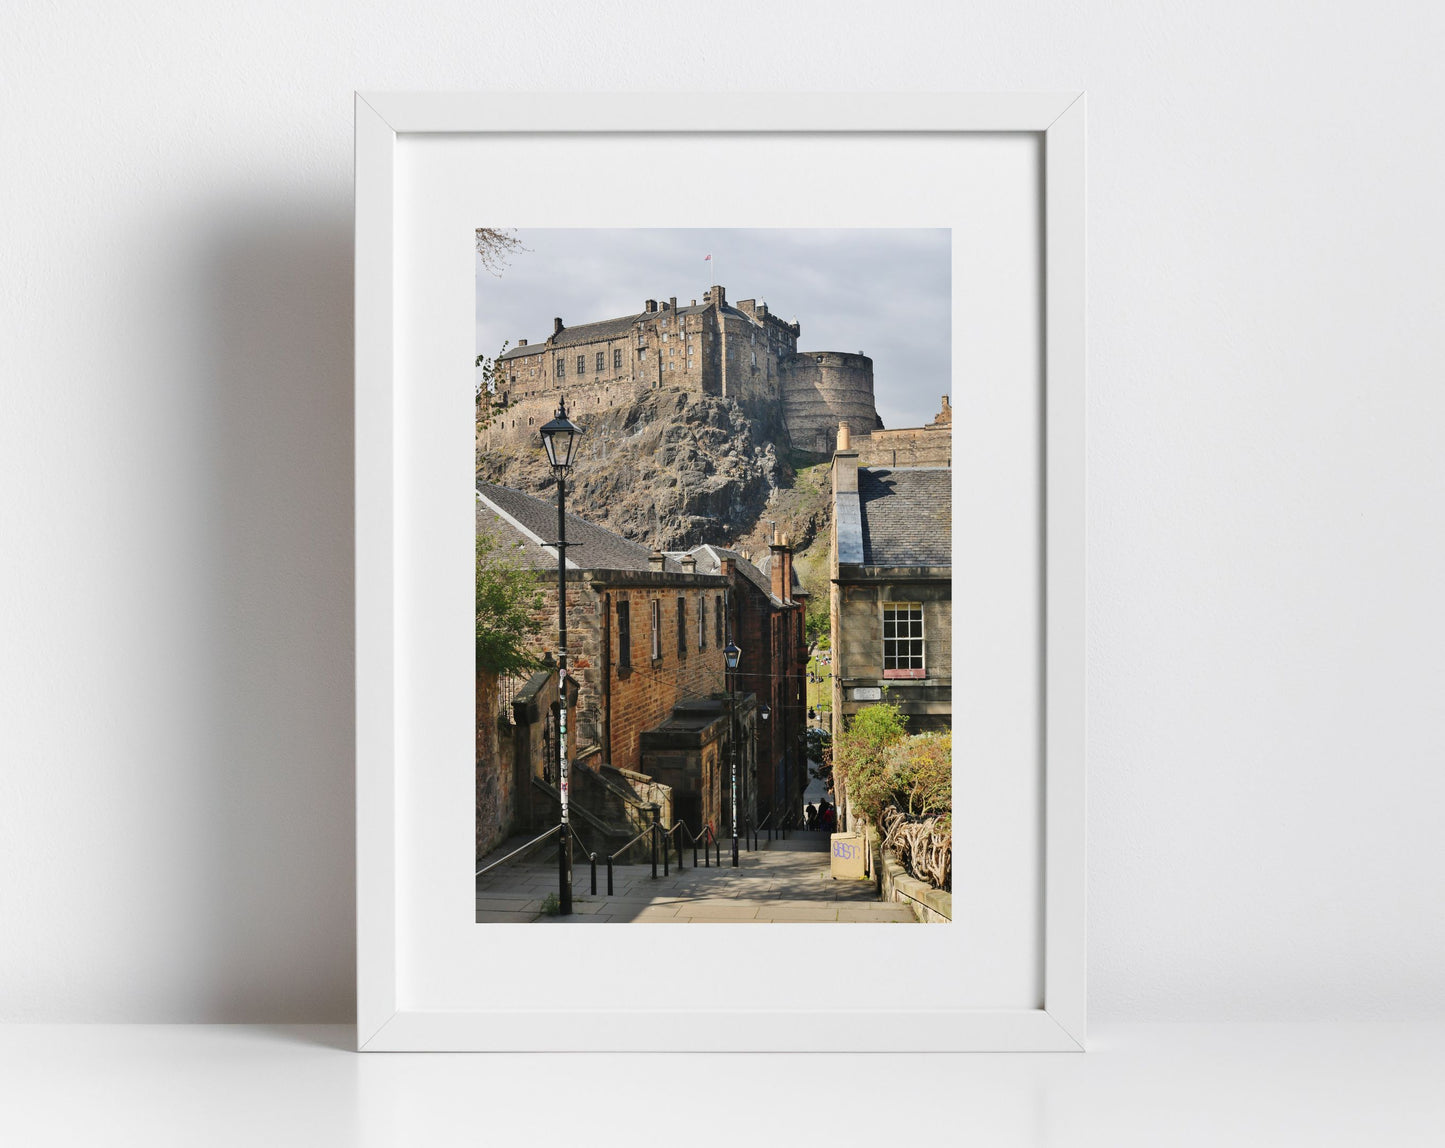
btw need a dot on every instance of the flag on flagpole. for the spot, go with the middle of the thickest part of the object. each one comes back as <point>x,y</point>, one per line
<point>707,258</point>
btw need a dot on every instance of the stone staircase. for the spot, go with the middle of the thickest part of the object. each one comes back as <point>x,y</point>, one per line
<point>606,810</point>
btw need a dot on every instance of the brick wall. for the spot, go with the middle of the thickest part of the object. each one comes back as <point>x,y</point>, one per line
<point>643,696</point>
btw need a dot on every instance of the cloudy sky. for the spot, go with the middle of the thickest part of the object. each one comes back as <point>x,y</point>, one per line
<point>882,292</point>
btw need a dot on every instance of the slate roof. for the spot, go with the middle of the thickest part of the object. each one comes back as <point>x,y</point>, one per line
<point>709,561</point>
<point>521,520</point>
<point>906,516</point>
<point>519,352</point>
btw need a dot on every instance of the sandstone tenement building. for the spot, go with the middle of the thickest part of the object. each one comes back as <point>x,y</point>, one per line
<point>930,445</point>
<point>648,718</point>
<point>891,589</point>
<point>740,351</point>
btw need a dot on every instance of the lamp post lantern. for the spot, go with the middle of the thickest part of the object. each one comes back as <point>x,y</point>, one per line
<point>559,439</point>
<point>731,654</point>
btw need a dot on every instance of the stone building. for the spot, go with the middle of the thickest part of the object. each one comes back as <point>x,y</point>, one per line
<point>766,620</point>
<point>741,351</point>
<point>891,601</point>
<point>929,445</point>
<point>649,721</point>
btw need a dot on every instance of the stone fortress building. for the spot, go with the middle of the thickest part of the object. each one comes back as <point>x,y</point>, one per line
<point>740,351</point>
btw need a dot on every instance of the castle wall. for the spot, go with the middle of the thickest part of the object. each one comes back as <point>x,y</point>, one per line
<point>822,389</point>
<point>521,421</point>
<point>913,446</point>
<point>742,351</point>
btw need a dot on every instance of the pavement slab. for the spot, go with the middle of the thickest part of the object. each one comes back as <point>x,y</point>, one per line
<point>783,881</point>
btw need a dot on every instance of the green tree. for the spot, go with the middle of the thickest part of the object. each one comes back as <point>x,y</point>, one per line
<point>815,622</point>
<point>509,604</point>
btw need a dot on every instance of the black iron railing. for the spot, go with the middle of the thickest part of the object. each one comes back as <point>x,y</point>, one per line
<point>591,855</point>
<point>518,851</point>
<point>662,841</point>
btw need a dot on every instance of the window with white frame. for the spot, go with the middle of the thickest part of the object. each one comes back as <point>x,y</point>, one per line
<point>903,639</point>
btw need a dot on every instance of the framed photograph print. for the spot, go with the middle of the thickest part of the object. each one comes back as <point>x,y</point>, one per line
<point>720,564</point>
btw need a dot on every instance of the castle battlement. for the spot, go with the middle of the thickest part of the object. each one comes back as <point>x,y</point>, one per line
<point>740,351</point>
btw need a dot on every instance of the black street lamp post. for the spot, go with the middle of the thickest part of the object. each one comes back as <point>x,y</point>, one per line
<point>731,653</point>
<point>559,439</point>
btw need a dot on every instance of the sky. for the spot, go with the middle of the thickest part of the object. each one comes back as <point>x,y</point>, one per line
<point>885,292</point>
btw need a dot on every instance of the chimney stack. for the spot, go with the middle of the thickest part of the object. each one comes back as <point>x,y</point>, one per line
<point>521,342</point>
<point>845,464</point>
<point>656,561</point>
<point>689,564</point>
<point>556,325</point>
<point>725,565</point>
<point>788,567</point>
<point>672,302</point>
<point>650,306</point>
<point>777,566</point>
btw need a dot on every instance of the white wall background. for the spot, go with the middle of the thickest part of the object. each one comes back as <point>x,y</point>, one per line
<point>1267,491</point>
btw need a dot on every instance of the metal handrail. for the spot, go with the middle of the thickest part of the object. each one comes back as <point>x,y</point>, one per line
<point>613,856</point>
<point>514,852</point>
<point>705,835</point>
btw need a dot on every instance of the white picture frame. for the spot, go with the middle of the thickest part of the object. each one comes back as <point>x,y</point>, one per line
<point>386,1019</point>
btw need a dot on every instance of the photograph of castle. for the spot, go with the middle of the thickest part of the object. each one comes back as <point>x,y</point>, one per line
<point>714,577</point>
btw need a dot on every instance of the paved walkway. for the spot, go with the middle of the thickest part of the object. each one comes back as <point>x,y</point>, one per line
<point>781,881</point>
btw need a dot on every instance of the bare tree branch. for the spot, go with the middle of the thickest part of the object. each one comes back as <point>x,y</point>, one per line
<point>495,245</point>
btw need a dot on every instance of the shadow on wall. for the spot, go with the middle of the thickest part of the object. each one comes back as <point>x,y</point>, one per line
<point>273,375</point>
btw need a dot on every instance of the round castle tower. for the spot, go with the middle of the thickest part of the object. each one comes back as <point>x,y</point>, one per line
<point>823,389</point>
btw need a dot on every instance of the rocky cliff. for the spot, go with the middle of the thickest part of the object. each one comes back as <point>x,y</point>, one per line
<point>666,469</point>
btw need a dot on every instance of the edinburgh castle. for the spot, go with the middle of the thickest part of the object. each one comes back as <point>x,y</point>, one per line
<point>740,351</point>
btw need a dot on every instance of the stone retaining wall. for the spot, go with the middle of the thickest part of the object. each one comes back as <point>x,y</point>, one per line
<point>931,906</point>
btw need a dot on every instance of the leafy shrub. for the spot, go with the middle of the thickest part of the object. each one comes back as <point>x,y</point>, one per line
<point>860,756</point>
<point>904,786</point>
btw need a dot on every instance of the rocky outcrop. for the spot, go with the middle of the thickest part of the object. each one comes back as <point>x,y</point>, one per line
<point>669,469</point>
